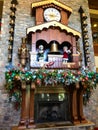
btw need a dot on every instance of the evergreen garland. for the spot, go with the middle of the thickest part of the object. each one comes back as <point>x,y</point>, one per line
<point>14,77</point>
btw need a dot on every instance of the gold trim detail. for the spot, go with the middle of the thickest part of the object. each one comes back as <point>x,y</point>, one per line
<point>76,55</point>
<point>45,2</point>
<point>53,24</point>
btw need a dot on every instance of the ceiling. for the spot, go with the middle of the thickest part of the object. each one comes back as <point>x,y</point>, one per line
<point>93,4</point>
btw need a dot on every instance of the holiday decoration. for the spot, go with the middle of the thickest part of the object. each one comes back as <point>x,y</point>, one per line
<point>11,31</point>
<point>23,52</point>
<point>66,54</point>
<point>49,65</point>
<point>48,77</point>
<point>84,36</point>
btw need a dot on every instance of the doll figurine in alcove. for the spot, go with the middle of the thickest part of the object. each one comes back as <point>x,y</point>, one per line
<point>66,53</point>
<point>41,53</point>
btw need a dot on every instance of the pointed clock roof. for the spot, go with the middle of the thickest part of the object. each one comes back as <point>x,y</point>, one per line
<point>53,24</point>
<point>55,2</point>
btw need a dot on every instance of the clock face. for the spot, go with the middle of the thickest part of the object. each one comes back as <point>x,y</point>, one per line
<point>52,14</point>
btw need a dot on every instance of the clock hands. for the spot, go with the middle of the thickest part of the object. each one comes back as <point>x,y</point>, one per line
<point>52,14</point>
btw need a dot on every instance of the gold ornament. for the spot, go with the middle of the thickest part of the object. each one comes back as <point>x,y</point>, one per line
<point>12,14</point>
<point>12,22</point>
<point>11,30</point>
<point>11,39</point>
<point>10,47</point>
<point>17,77</point>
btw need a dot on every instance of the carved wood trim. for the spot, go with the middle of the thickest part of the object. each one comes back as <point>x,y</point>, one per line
<point>22,123</point>
<point>80,104</point>
<point>31,109</point>
<point>74,107</point>
<point>27,107</point>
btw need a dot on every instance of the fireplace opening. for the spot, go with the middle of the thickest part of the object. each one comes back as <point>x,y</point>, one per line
<point>53,107</point>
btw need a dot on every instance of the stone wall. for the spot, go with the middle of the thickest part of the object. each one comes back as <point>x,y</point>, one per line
<point>8,115</point>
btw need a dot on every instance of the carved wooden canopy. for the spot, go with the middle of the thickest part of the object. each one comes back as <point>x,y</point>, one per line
<point>49,2</point>
<point>53,24</point>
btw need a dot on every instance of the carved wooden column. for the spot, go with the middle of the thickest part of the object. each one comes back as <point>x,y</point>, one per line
<point>73,103</point>
<point>24,106</point>
<point>31,109</point>
<point>80,103</point>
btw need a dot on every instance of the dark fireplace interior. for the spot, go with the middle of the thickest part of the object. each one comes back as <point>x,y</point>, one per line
<point>52,107</point>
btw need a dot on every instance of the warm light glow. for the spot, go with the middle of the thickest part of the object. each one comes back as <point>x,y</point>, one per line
<point>95,25</point>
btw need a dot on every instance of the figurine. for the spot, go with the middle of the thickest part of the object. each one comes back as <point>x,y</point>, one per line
<point>23,52</point>
<point>41,53</point>
<point>66,53</point>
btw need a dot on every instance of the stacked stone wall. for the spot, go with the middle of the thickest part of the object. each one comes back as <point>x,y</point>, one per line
<point>8,115</point>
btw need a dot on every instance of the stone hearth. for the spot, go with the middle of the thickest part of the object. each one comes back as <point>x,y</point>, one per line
<point>87,126</point>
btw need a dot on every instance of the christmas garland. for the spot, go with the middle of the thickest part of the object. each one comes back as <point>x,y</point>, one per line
<point>48,77</point>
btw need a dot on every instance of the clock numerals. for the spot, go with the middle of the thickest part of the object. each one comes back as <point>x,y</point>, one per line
<point>52,14</point>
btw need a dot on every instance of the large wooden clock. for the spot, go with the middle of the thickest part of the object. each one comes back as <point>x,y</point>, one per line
<point>51,29</point>
<point>53,9</point>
